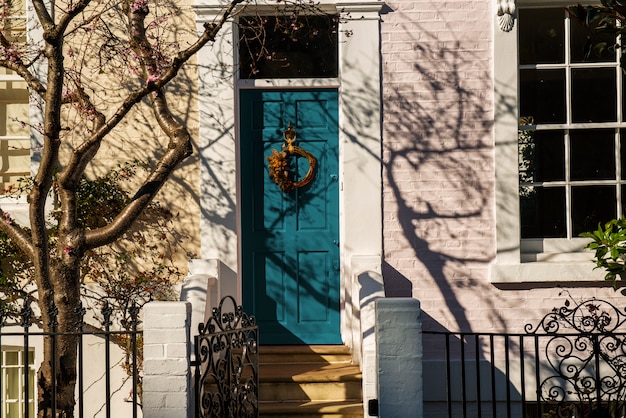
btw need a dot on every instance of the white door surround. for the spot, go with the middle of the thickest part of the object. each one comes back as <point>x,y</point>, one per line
<point>360,153</point>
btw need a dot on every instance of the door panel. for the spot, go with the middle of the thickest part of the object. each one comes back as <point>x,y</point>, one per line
<point>290,252</point>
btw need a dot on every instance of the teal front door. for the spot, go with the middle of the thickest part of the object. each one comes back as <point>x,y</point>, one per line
<point>290,240</point>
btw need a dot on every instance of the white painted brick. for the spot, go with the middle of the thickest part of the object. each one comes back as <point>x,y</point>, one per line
<point>166,336</point>
<point>171,321</point>
<point>153,351</point>
<point>166,364</point>
<point>164,413</point>
<point>179,350</point>
<point>167,367</point>
<point>153,399</point>
<point>173,399</point>
<point>399,346</point>
<point>164,384</point>
<point>165,308</point>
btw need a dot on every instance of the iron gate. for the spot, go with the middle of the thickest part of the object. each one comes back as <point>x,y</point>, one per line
<point>226,363</point>
<point>571,364</point>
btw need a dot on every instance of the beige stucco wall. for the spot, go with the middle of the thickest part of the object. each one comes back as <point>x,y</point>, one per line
<point>139,136</point>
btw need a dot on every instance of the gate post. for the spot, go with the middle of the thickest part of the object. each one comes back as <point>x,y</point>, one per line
<point>399,345</point>
<point>166,351</point>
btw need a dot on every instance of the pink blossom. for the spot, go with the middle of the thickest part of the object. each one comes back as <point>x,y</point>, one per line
<point>139,5</point>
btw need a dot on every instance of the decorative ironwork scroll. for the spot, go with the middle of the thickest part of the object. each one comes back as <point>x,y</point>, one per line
<point>227,363</point>
<point>280,165</point>
<point>584,371</point>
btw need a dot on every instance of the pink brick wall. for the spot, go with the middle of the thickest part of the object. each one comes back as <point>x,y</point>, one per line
<point>439,221</point>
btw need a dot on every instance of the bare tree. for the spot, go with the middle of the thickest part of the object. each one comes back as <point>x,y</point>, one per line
<point>133,43</point>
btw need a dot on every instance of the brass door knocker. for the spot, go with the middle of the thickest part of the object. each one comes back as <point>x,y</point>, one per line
<point>280,163</point>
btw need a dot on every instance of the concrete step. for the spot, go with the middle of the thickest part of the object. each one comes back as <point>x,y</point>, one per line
<point>309,382</point>
<point>304,354</point>
<point>312,409</point>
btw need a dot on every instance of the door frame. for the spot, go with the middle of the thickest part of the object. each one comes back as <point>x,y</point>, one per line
<point>360,149</point>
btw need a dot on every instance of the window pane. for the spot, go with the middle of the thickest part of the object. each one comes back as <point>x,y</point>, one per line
<point>31,380</point>
<point>288,47</point>
<point>12,358</point>
<point>622,140</point>
<point>13,383</point>
<point>14,25</point>
<point>14,132</point>
<point>592,205</point>
<point>592,154</point>
<point>594,95</point>
<point>583,45</point>
<point>542,36</point>
<point>542,156</point>
<point>542,95</point>
<point>15,117</point>
<point>13,410</point>
<point>542,212</point>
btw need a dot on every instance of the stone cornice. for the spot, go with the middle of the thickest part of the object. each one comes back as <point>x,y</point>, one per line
<point>209,9</point>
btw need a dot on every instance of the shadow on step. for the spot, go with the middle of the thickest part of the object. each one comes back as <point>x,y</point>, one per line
<point>309,381</point>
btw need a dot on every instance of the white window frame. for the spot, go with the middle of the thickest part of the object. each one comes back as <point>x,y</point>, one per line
<point>17,207</point>
<point>537,260</point>
<point>4,367</point>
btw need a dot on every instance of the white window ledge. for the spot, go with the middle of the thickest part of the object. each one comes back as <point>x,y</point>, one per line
<point>17,207</point>
<point>547,272</point>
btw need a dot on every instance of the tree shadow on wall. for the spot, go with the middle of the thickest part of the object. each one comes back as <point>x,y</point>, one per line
<point>438,176</point>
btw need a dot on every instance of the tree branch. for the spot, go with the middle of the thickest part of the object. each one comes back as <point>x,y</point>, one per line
<point>33,82</point>
<point>180,139</point>
<point>17,65</point>
<point>67,18</point>
<point>43,15</point>
<point>209,34</point>
<point>145,194</point>
<point>84,153</point>
<point>16,233</point>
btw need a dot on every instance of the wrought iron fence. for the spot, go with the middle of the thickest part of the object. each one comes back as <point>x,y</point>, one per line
<point>571,364</point>
<point>22,332</point>
<point>226,362</point>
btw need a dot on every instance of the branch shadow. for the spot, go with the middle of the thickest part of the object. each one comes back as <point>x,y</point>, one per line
<point>437,166</point>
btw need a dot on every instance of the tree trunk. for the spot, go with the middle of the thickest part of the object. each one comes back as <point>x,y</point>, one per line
<point>56,379</point>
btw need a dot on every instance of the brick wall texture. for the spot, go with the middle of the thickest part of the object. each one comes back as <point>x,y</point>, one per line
<point>439,181</point>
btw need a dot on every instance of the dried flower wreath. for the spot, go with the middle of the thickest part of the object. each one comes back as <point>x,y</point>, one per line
<point>280,163</point>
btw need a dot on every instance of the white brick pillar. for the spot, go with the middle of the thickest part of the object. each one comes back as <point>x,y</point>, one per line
<point>399,344</point>
<point>166,351</point>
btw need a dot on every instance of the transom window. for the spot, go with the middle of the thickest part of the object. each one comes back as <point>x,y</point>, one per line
<point>571,135</point>
<point>288,46</point>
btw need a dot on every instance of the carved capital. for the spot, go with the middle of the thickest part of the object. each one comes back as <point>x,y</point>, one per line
<point>505,9</point>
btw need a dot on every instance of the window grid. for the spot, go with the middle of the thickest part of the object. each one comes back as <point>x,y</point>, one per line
<point>14,109</point>
<point>12,377</point>
<point>568,184</point>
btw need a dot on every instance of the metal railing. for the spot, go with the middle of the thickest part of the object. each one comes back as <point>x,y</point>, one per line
<point>226,363</point>
<point>571,364</point>
<point>24,333</point>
